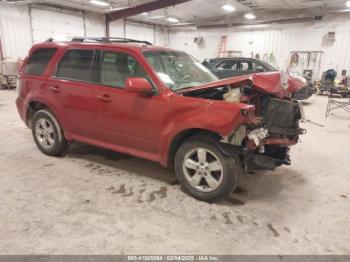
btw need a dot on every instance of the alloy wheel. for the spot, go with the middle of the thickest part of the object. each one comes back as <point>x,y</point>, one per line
<point>45,133</point>
<point>203,169</point>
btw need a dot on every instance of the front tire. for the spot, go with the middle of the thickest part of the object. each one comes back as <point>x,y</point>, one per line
<point>48,134</point>
<point>204,172</point>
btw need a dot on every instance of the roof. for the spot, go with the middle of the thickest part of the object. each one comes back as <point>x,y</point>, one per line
<point>130,44</point>
<point>234,58</point>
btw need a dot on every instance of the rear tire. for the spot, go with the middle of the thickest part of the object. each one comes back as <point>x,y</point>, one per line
<point>48,134</point>
<point>204,172</point>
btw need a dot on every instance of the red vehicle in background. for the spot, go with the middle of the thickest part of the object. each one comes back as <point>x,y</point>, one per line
<point>159,104</point>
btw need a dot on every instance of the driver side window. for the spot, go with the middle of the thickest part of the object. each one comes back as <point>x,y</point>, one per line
<point>117,67</point>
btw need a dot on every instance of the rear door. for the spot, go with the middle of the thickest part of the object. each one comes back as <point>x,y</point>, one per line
<point>71,87</point>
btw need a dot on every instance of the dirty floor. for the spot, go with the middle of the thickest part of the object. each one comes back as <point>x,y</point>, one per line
<point>94,201</point>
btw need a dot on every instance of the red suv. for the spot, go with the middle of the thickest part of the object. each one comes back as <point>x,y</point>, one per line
<point>159,104</point>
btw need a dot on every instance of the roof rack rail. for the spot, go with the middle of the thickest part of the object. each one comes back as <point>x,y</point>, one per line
<point>103,40</point>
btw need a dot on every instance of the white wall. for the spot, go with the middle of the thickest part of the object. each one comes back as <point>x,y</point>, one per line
<point>48,23</point>
<point>95,25</point>
<point>21,26</point>
<point>277,39</point>
<point>161,36</point>
<point>18,32</point>
<point>117,29</point>
<point>157,35</point>
<point>15,31</point>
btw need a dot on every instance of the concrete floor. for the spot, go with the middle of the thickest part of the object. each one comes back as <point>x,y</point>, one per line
<point>93,201</point>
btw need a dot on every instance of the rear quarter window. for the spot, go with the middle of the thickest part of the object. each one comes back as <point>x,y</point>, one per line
<point>38,61</point>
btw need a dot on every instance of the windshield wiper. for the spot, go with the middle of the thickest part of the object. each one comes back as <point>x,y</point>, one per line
<point>187,87</point>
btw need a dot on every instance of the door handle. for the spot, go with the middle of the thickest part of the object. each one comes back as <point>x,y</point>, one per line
<point>55,89</point>
<point>105,98</point>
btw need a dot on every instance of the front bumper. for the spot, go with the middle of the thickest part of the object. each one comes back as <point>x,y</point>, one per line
<point>267,145</point>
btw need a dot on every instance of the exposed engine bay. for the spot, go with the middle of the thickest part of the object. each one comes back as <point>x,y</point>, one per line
<point>269,131</point>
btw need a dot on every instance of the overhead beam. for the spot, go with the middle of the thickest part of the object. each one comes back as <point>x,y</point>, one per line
<point>277,21</point>
<point>139,9</point>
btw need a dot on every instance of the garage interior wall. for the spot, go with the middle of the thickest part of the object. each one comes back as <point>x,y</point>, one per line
<point>21,26</point>
<point>280,40</point>
<point>158,35</point>
<point>15,31</point>
<point>52,23</point>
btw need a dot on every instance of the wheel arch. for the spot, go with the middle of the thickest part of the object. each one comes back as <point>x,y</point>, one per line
<point>34,106</point>
<point>183,135</point>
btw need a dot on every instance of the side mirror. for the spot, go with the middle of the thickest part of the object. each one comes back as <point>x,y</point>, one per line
<point>260,69</point>
<point>138,85</point>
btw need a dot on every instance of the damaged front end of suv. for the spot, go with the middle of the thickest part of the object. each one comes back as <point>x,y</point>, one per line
<point>271,125</point>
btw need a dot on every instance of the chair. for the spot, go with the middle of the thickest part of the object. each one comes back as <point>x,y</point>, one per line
<point>338,100</point>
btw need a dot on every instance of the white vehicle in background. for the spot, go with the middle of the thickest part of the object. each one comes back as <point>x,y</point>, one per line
<point>8,73</point>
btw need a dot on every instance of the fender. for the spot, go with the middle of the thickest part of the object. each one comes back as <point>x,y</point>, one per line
<point>214,116</point>
<point>53,107</point>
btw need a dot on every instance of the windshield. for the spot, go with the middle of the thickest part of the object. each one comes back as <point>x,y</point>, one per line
<point>268,66</point>
<point>178,70</point>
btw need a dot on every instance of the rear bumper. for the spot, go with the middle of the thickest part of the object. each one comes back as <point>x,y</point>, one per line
<point>255,162</point>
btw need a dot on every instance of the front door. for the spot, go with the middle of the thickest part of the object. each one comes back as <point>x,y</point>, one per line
<point>127,119</point>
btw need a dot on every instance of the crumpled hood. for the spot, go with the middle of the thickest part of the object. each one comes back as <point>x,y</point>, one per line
<point>279,84</point>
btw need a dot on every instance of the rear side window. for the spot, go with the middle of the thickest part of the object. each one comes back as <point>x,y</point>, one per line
<point>38,61</point>
<point>76,65</point>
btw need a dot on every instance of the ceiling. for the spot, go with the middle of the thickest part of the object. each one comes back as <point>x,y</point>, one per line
<point>210,12</point>
<point>202,12</point>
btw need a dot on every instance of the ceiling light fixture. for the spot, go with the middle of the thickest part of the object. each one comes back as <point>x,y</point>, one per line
<point>156,17</point>
<point>99,3</point>
<point>144,13</point>
<point>249,16</point>
<point>348,4</point>
<point>116,9</point>
<point>172,20</point>
<point>228,8</point>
